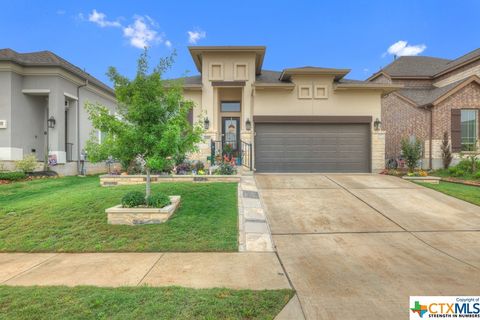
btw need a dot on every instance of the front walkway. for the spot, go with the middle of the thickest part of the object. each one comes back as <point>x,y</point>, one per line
<point>256,271</point>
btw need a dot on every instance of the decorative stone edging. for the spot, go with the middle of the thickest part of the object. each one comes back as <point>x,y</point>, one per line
<point>428,179</point>
<point>137,216</point>
<point>119,180</point>
<point>254,232</point>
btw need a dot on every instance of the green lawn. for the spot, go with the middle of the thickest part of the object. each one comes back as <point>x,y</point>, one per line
<point>139,303</point>
<point>460,191</point>
<point>68,215</point>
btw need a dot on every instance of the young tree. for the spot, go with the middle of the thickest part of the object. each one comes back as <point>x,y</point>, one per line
<point>446,152</point>
<point>151,121</point>
<point>412,152</point>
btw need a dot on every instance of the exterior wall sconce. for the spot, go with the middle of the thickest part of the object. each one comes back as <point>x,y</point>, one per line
<point>51,122</point>
<point>377,124</point>
<point>206,123</point>
<point>248,124</point>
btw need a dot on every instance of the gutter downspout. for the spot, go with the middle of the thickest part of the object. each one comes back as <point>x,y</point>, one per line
<point>78,124</point>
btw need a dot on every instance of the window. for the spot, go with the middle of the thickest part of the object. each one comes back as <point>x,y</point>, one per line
<point>468,125</point>
<point>230,106</point>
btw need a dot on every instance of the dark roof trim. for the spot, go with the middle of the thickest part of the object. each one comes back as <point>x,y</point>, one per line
<point>228,83</point>
<point>338,73</point>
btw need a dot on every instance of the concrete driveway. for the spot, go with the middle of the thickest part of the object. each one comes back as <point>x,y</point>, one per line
<point>357,246</point>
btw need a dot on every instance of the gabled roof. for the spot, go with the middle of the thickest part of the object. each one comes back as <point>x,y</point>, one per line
<point>424,67</point>
<point>49,59</point>
<point>467,58</point>
<point>423,97</point>
<point>413,67</point>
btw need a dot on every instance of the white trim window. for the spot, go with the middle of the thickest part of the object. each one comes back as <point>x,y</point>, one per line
<point>469,129</point>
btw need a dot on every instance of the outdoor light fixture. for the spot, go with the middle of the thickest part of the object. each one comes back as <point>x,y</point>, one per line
<point>206,123</point>
<point>51,122</point>
<point>377,124</point>
<point>248,125</point>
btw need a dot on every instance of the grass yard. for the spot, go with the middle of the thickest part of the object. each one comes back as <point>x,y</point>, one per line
<point>68,215</point>
<point>139,303</point>
<point>460,191</point>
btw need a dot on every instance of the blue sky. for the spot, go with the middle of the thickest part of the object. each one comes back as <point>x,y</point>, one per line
<point>343,34</point>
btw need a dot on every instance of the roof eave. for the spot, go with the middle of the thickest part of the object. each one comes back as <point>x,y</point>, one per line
<point>385,88</point>
<point>197,51</point>
<point>337,73</point>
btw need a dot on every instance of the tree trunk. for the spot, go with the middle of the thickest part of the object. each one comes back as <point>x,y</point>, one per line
<point>147,191</point>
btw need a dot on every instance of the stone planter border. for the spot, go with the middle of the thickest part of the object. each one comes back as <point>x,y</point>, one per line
<point>427,179</point>
<point>119,180</point>
<point>139,216</point>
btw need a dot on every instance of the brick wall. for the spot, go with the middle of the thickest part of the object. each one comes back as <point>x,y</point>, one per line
<point>467,97</point>
<point>400,120</point>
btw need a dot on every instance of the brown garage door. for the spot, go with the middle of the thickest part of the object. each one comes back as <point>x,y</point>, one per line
<point>312,147</point>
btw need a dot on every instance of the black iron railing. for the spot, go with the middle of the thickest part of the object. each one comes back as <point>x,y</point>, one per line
<point>243,155</point>
<point>68,150</point>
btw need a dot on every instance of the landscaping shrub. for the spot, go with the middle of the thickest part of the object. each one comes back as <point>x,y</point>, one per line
<point>412,152</point>
<point>226,168</point>
<point>199,165</point>
<point>183,168</point>
<point>28,163</point>
<point>458,173</point>
<point>446,153</point>
<point>12,176</point>
<point>158,200</point>
<point>133,199</point>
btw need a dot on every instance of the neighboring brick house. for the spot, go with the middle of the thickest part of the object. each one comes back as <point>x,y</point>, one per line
<point>439,95</point>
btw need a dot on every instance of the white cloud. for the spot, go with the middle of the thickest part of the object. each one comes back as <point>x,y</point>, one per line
<point>141,33</point>
<point>196,35</point>
<point>101,19</point>
<point>402,48</point>
<point>61,12</point>
<point>168,43</point>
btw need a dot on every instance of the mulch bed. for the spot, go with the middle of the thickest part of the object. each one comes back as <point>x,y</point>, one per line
<point>34,176</point>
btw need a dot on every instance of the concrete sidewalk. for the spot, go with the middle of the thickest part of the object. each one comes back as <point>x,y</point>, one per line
<point>234,270</point>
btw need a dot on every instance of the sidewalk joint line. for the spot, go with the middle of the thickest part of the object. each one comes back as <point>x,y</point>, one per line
<point>31,268</point>
<point>290,282</point>
<point>151,268</point>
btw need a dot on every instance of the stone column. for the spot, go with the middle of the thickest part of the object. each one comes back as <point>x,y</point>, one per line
<point>378,151</point>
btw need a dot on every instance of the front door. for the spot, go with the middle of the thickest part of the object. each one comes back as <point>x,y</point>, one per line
<point>231,133</point>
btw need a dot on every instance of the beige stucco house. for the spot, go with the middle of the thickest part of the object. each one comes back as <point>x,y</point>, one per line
<point>306,119</point>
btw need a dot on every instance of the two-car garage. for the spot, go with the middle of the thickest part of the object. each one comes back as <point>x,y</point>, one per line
<point>313,144</point>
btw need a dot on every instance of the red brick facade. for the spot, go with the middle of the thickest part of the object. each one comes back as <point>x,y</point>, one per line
<point>401,119</point>
<point>466,98</point>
